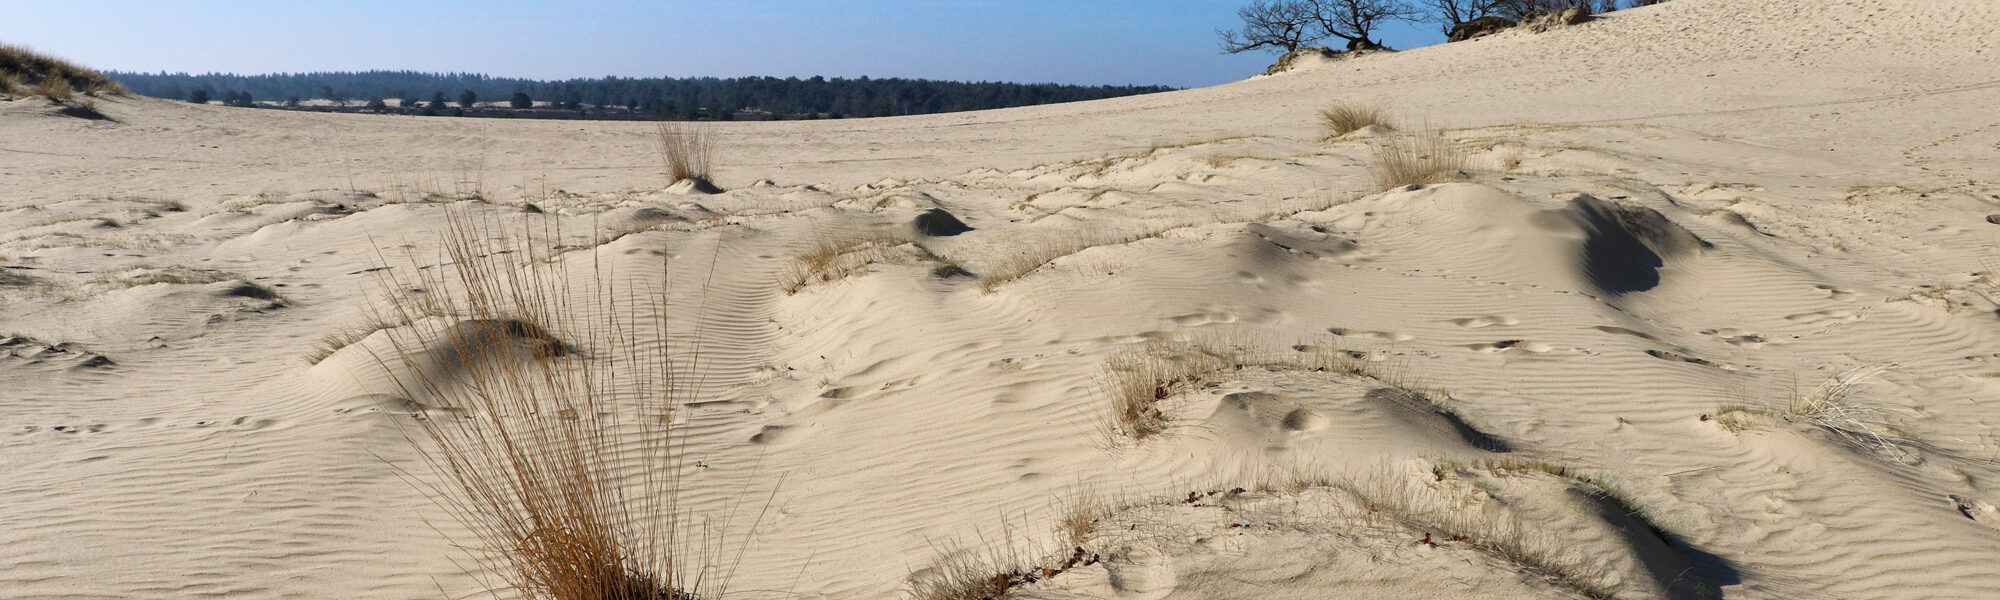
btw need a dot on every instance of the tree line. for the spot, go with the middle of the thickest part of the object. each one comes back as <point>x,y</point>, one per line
<point>661,97</point>
<point>1287,25</point>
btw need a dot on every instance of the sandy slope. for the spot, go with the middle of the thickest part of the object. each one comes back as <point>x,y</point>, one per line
<point>1831,164</point>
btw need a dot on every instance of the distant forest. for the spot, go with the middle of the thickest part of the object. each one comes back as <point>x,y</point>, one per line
<point>611,97</point>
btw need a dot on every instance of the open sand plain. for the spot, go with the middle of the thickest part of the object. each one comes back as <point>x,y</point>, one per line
<point>1568,373</point>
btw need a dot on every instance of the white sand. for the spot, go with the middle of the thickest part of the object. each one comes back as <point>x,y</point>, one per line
<point>1839,157</point>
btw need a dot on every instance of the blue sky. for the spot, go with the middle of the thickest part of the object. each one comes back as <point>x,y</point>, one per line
<point>1169,42</point>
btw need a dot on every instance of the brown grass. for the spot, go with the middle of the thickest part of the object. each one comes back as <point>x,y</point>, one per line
<point>545,419</point>
<point>1139,379</point>
<point>1417,158</point>
<point>1480,523</point>
<point>835,257</point>
<point>964,574</point>
<point>25,66</point>
<point>55,88</point>
<point>10,84</point>
<point>684,151</point>
<point>1342,118</point>
<point>1031,254</point>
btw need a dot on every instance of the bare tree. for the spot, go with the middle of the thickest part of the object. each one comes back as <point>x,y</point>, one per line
<point>1356,20</point>
<point>1276,24</point>
<point>1520,9</point>
<point>1450,13</point>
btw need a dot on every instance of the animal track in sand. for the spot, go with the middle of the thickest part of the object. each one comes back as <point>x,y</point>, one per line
<point>1371,335</point>
<point>1487,321</point>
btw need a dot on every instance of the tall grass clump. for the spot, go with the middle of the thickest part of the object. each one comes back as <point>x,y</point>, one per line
<point>55,88</point>
<point>1415,159</point>
<point>543,391</point>
<point>10,84</point>
<point>1342,118</point>
<point>685,153</point>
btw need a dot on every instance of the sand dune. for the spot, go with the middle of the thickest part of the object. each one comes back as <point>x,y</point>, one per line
<point>1568,372</point>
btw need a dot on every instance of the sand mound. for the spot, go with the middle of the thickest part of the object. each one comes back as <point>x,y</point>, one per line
<point>1625,246</point>
<point>938,223</point>
<point>1730,204</point>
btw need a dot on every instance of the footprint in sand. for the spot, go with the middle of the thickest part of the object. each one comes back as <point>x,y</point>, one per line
<point>1835,293</point>
<point>1202,318</point>
<point>1738,337</point>
<point>1822,316</point>
<point>1631,332</point>
<point>1665,355</point>
<point>1142,573</point>
<point>1978,510</point>
<point>1371,335</point>
<point>1505,345</point>
<point>1487,321</point>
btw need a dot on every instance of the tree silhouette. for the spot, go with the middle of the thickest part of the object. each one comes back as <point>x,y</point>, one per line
<point>1277,24</point>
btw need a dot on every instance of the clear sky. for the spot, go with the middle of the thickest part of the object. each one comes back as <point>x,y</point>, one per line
<point>1167,42</point>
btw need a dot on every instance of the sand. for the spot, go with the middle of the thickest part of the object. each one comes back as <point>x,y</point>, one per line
<point>1678,218</point>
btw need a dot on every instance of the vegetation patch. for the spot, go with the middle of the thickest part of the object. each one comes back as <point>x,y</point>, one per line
<point>1415,159</point>
<point>1342,118</point>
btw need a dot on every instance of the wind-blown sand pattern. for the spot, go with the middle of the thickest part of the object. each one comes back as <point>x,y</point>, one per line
<point>1565,374</point>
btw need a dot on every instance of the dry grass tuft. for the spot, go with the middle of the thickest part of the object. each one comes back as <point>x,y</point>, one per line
<point>684,152</point>
<point>1477,521</point>
<point>1417,158</point>
<point>1829,406</point>
<point>545,417</point>
<point>55,88</point>
<point>53,77</point>
<point>1140,378</point>
<point>964,574</point>
<point>835,257</point>
<point>1033,253</point>
<point>1342,118</point>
